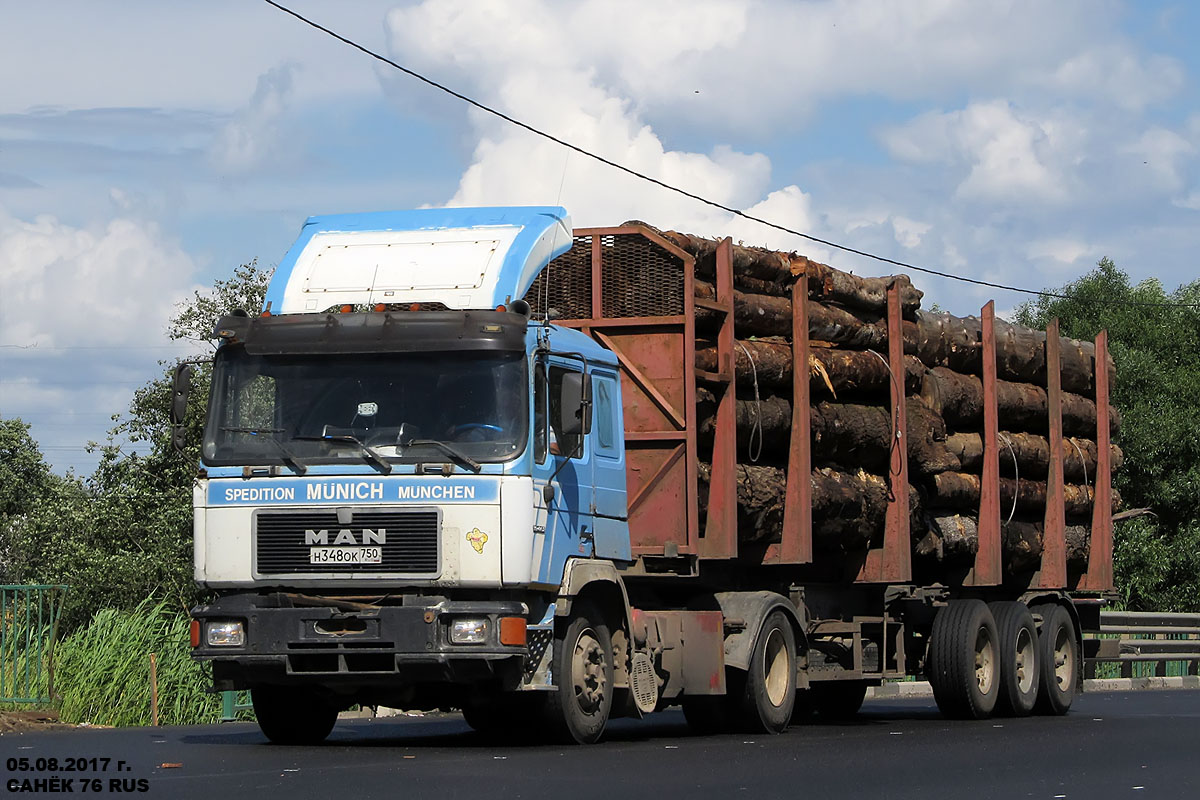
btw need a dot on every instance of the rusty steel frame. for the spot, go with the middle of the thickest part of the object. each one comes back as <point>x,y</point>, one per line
<point>892,563</point>
<point>720,539</point>
<point>988,567</point>
<point>1099,575</point>
<point>795,544</point>
<point>683,421</point>
<point>1053,572</point>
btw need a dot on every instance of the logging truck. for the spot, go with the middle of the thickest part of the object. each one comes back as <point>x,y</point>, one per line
<point>475,459</point>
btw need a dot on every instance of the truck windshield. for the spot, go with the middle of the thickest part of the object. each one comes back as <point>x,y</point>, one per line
<point>313,408</point>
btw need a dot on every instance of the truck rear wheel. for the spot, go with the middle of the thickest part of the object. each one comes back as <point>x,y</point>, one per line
<point>1019,664</point>
<point>582,666</point>
<point>292,716</point>
<point>770,692</point>
<point>964,660</point>
<point>1058,657</point>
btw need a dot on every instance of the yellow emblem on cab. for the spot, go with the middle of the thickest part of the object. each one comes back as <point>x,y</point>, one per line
<point>477,538</point>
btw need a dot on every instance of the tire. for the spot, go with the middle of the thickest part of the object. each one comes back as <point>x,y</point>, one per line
<point>770,690</point>
<point>292,716</point>
<point>964,659</point>
<point>1020,667</point>
<point>582,666</point>
<point>838,700</point>
<point>1058,655</point>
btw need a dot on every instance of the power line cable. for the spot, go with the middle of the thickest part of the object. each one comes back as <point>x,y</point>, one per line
<point>699,198</point>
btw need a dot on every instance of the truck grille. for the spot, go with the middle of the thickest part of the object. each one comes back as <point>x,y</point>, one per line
<point>411,546</point>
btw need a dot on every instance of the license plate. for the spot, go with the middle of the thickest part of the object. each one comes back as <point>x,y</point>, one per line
<point>345,555</point>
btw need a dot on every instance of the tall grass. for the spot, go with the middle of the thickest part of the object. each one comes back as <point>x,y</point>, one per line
<point>102,671</point>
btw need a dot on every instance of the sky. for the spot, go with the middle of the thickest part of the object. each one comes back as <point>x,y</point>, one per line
<point>147,148</point>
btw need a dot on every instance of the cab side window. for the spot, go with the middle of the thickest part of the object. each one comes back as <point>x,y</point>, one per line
<point>606,440</point>
<point>560,443</point>
<point>539,414</point>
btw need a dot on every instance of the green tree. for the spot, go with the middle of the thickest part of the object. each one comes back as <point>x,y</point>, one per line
<point>1156,349</point>
<point>125,534</point>
<point>25,480</point>
<point>24,473</point>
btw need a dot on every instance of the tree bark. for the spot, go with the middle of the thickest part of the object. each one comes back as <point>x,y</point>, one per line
<point>850,435</point>
<point>961,490</point>
<point>756,267</point>
<point>958,399</point>
<point>1032,453</point>
<point>849,372</point>
<point>951,537</point>
<point>936,339</point>
<point>847,509</point>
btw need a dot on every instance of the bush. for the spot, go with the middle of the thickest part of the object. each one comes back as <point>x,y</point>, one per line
<point>102,671</point>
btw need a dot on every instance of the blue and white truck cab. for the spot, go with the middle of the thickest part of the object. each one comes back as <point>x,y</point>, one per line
<point>405,478</point>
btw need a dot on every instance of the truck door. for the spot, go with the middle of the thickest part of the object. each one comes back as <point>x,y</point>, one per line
<point>565,463</point>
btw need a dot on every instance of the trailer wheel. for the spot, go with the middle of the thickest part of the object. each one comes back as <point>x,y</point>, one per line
<point>1020,671</point>
<point>770,691</point>
<point>964,660</point>
<point>292,716</point>
<point>1058,657</point>
<point>838,700</point>
<point>582,666</point>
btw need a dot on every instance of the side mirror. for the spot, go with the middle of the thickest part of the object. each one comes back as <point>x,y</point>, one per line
<point>575,404</point>
<point>181,388</point>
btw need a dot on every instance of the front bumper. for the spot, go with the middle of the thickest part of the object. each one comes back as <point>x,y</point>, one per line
<point>287,642</point>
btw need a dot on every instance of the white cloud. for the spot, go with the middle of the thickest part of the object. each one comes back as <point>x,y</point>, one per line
<point>1162,153</point>
<point>114,284</point>
<point>1008,155</point>
<point>909,232</point>
<point>1115,74</point>
<point>252,135</point>
<point>540,74</point>
<point>1064,250</point>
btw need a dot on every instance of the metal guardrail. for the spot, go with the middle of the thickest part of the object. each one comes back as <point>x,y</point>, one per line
<point>1131,639</point>
<point>232,703</point>
<point>28,628</point>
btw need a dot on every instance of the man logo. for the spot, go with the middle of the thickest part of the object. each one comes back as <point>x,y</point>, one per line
<point>345,536</point>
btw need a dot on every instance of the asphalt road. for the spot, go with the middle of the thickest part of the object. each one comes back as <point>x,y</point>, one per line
<point>1111,745</point>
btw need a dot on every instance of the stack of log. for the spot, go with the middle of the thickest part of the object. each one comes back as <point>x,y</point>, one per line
<point>852,425</point>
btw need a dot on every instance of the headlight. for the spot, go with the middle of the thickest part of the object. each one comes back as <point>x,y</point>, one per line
<point>225,634</point>
<point>469,631</point>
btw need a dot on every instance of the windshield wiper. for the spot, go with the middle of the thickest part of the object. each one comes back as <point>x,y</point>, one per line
<point>370,456</point>
<point>458,456</point>
<point>286,457</point>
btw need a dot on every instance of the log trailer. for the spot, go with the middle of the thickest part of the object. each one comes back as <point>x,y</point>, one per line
<point>475,459</point>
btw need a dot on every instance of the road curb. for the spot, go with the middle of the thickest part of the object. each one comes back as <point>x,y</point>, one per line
<point>923,689</point>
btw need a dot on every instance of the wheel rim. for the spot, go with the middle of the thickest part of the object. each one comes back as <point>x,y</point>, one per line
<point>1026,654</point>
<point>985,661</point>
<point>588,676</point>
<point>775,667</point>
<point>1064,661</point>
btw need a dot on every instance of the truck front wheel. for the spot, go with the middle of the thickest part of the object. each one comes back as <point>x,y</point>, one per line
<point>292,716</point>
<point>583,671</point>
<point>771,680</point>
